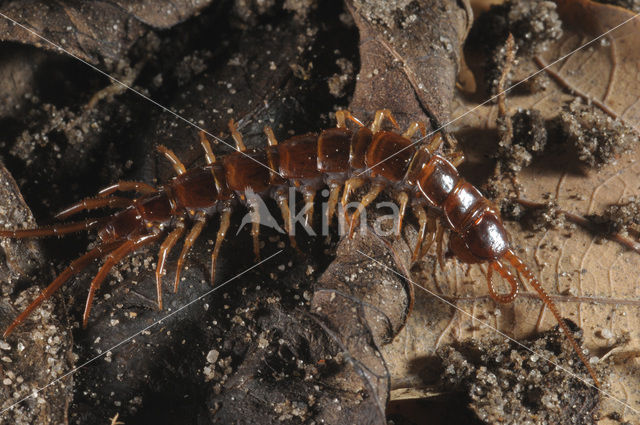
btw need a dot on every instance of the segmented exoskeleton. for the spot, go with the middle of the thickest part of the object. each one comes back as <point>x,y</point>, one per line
<point>416,175</point>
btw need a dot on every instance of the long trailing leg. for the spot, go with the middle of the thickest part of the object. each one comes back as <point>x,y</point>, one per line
<point>55,230</point>
<point>163,253</point>
<point>74,268</point>
<point>92,204</point>
<point>367,199</point>
<point>127,186</point>
<point>200,219</point>
<point>225,219</point>
<point>522,268</point>
<point>111,260</point>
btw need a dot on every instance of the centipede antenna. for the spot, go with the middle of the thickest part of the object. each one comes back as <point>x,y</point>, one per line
<point>522,268</point>
<point>506,275</point>
<point>237,137</point>
<point>271,138</point>
<point>177,165</point>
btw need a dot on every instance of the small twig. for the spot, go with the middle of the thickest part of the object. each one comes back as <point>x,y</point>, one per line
<point>582,221</point>
<point>567,85</point>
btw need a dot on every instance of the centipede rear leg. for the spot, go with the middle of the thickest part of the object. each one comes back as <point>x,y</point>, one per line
<point>128,186</point>
<point>88,204</point>
<point>73,269</point>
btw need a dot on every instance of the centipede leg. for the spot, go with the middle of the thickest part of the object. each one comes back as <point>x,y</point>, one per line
<point>522,268</point>
<point>403,200</point>
<point>255,229</point>
<point>422,221</point>
<point>126,186</point>
<point>373,193</point>
<point>225,219</point>
<point>349,186</point>
<point>283,202</point>
<point>177,165</point>
<point>456,158</point>
<point>74,268</point>
<point>163,253</point>
<point>93,203</point>
<point>506,275</point>
<point>379,116</point>
<point>200,219</point>
<point>55,230</point>
<point>111,260</point>
<point>413,127</point>
<point>237,137</point>
<point>341,117</point>
<point>334,194</point>
<point>434,143</point>
<point>208,152</point>
<point>439,239</point>
<point>308,196</point>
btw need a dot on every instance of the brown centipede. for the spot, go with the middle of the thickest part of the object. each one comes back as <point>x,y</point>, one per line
<point>340,158</point>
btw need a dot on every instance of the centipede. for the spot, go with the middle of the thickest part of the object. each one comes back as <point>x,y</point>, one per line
<point>344,158</point>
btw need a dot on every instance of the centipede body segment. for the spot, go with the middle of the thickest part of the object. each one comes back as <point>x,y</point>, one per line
<point>340,158</point>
